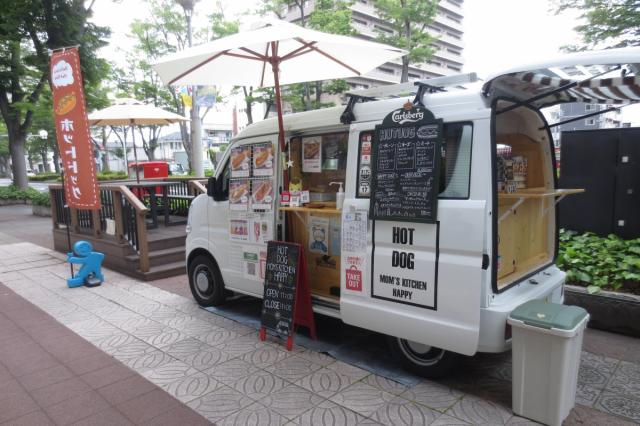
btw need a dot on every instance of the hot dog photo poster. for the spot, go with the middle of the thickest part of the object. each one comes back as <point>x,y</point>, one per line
<point>240,161</point>
<point>312,154</point>
<point>261,194</point>
<point>263,159</point>
<point>239,194</point>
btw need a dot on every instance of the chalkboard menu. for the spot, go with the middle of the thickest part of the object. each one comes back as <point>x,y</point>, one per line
<point>406,166</point>
<point>280,282</point>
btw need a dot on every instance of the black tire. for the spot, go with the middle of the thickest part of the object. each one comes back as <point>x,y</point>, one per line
<point>423,360</point>
<point>205,282</point>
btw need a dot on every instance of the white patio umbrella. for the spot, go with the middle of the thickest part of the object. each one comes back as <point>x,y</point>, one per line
<point>295,55</point>
<point>132,112</point>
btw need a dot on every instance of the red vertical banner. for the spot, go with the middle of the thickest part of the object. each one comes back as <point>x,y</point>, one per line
<point>72,131</point>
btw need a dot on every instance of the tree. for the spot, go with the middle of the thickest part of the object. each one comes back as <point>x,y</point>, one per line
<point>164,31</point>
<point>409,20</point>
<point>607,23</point>
<point>27,29</point>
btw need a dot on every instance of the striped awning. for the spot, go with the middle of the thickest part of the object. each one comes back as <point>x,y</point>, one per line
<point>610,76</point>
<point>611,90</point>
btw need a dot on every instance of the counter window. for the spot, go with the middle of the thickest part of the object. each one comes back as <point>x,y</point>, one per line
<point>318,161</point>
<point>455,160</point>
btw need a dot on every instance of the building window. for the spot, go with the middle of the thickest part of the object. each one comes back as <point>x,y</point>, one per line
<point>359,22</point>
<point>451,67</point>
<point>383,29</point>
<point>456,36</point>
<point>414,76</point>
<point>453,18</point>
<point>590,122</point>
<point>386,70</point>
<point>453,52</point>
<point>589,107</point>
<point>436,63</point>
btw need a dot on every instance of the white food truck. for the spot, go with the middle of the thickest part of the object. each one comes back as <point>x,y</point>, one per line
<point>436,289</point>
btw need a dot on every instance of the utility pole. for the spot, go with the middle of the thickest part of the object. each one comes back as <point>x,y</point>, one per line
<point>197,162</point>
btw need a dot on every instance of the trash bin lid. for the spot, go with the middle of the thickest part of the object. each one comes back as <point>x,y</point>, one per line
<point>539,313</point>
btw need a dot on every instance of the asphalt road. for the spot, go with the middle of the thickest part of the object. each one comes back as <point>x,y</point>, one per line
<point>40,186</point>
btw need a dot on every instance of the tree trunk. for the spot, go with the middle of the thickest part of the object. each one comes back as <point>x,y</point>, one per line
<point>45,160</point>
<point>105,155</point>
<point>247,100</point>
<point>404,77</point>
<point>56,160</point>
<point>18,165</point>
<point>318,93</point>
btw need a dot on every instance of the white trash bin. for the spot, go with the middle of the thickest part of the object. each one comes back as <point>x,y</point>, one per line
<point>546,345</point>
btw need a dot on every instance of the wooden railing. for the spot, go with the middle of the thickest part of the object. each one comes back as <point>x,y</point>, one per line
<point>123,215</point>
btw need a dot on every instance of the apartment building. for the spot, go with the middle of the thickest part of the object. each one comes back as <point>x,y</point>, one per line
<point>447,27</point>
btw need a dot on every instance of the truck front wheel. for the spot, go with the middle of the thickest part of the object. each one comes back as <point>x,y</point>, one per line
<point>206,282</point>
<point>423,360</point>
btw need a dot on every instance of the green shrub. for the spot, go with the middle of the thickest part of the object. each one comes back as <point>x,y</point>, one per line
<point>12,192</point>
<point>41,199</point>
<point>112,176</point>
<point>41,177</point>
<point>609,263</point>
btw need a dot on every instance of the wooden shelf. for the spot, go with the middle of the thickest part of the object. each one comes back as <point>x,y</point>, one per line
<point>323,210</point>
<point>538,193</point>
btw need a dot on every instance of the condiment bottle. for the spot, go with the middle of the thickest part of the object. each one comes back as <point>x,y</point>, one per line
<point>339,195</point>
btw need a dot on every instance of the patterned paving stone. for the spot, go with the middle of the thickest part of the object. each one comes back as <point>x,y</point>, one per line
<point>325,382</point>
<point>220,403</point>
<point>478,411</point>
<point>619,405</point>
<point>446,420</point>
<point>328,413</point>
<point>291,401</point>
<point>626,380</point>
<point>240,346</point>
<point>362,398</point>
<point>169,373</point>
<point>192,387</point>
<point>399,411</point>
<point>146,361</point>
<point>587,395</point>
<point>231,371</point>
<point>432,395</point>
<point>258,384</point>
<point>197,354</point>
<point>265,356</point>
<point>385,384</point>
<point>217,336</point>
<point>317,357</point>
<point>254,415</point>
<point>293,368</point>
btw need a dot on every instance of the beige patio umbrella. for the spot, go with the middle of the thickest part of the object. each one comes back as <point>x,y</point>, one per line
<point>132,112</point>
<point>294,54</point>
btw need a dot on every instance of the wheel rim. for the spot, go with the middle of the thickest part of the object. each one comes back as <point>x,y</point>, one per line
<point>420,354</point>
<point>203,281</point>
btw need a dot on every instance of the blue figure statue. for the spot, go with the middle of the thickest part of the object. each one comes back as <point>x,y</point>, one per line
<point>91,262</point>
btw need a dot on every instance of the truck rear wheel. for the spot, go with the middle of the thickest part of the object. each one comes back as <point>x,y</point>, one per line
<point>423,360</point>
<point>206,282</point>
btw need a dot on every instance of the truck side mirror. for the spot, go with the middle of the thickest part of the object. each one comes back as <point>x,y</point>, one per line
<point>211,187</point>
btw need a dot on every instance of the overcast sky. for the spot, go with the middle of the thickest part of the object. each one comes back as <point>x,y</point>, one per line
<point>498,34</point>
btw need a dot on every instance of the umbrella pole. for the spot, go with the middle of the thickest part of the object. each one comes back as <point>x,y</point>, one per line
<point>135,153</point>
<point>275,66</point>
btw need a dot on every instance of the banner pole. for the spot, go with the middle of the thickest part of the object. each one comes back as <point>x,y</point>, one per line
<point>67,212</point>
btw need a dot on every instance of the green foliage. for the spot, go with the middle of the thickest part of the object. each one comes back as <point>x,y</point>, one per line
<point>42,177</point>
<point>408,19</point>
<point>600,263</point>
<point>606,23</point>
<point>112,176</point>
<point>41,199</point>
<point>332,16</point>
<point>12,192</point>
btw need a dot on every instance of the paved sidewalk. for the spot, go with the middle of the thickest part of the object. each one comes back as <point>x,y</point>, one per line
<point>220,368</point>
<point>50,375</point>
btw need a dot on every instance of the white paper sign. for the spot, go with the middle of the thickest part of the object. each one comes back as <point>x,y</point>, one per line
<point>312,154</point>
<point>354,231</point>
<point>405,263</point>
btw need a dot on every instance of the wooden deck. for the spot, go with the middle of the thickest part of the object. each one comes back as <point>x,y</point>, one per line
<point>121,230</point>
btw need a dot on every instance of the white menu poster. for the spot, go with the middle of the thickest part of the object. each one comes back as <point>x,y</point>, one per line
<point>312,154</point>
<point>354,231</point>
